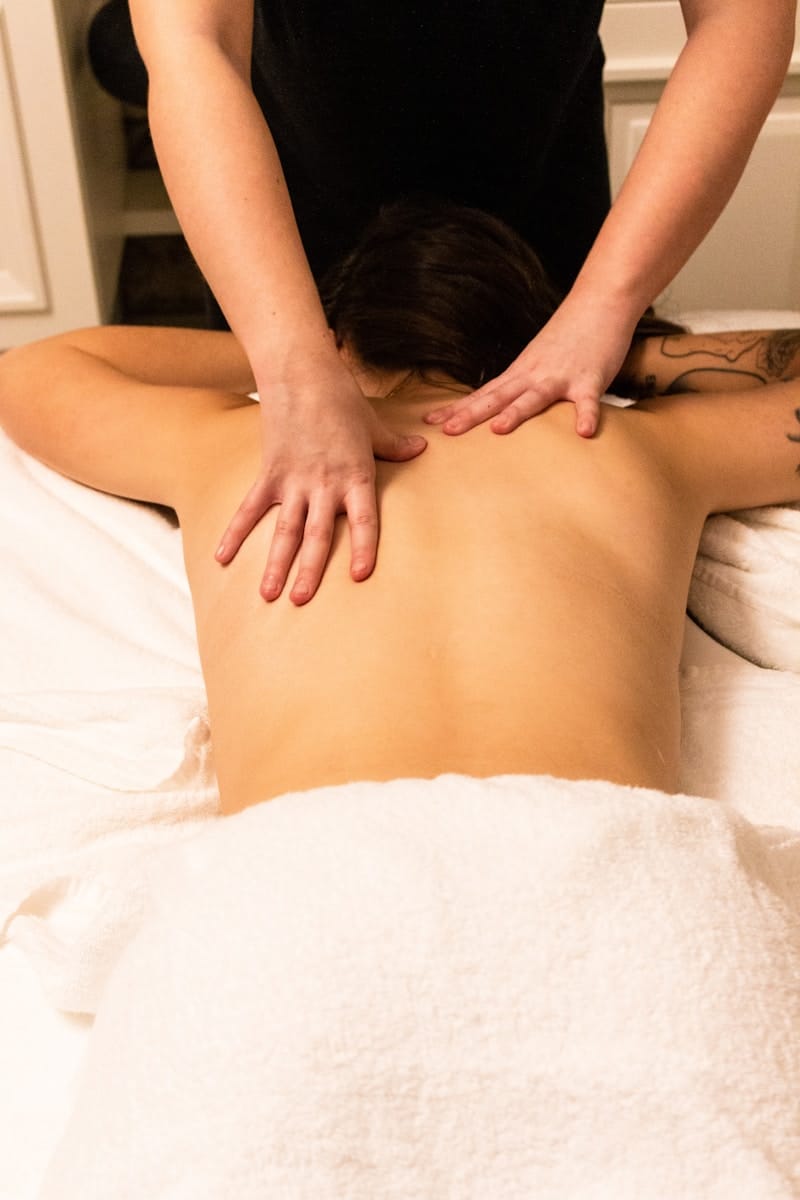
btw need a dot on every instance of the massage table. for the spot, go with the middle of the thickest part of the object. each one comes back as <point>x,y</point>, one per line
<point>106,766</point>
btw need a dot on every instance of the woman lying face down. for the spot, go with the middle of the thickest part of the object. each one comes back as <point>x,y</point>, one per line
<point>526,612</point>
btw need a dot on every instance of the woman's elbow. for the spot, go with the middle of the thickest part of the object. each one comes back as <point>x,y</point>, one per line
<point>13,391</point>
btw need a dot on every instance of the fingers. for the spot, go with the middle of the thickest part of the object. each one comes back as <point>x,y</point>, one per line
<point>312,533</point>
<point>359,503</point>
<point>289,533</point>
<point>438,416</point>
<point>507,403</point>
<point>362,516</point>
<point>307,527</point>
<point>472,410</point>
<point>245,519</point>
<point>535,401</point>
<point>325,469</point>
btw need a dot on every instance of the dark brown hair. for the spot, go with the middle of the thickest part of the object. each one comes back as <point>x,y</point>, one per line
<point>436,286</point>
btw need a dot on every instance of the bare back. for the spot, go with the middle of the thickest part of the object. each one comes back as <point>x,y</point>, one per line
<point>526,612</point>
<point>525,615</point>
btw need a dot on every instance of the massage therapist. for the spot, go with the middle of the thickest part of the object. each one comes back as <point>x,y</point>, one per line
<point>282,125</point>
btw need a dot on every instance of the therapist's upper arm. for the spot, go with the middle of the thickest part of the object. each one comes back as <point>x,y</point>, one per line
<point>163,29</point>
<point>775,18</point>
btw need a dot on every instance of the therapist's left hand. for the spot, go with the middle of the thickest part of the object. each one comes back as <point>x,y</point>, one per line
<point>575,357</point>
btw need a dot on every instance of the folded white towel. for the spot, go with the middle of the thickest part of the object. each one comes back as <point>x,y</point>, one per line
<point>94,592</point>
<point>746,584</point>
<point>507,988</point>
<point>93,783</point>
<point>739,740</point>
<point>712,320</point>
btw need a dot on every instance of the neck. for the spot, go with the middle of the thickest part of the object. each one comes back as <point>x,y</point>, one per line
<point>406,386</point>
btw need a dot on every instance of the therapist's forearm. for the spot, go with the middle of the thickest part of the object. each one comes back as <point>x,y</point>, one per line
<point>226,183</point>
<point>696,148</point>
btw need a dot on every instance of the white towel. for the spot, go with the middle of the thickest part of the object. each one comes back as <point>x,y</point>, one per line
<point>506,988</point>
<point>746,584</point>
<point>739,740</point>
<point>93,783</point>
<point>94,591</point>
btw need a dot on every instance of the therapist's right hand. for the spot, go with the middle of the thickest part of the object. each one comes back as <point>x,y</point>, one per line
<point>319,444</point>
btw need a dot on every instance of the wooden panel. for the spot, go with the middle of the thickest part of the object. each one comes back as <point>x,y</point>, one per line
<point>22,285</point>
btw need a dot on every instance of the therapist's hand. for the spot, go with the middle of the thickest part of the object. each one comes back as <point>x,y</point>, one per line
<point>319,444</point>
<point>574,357</point>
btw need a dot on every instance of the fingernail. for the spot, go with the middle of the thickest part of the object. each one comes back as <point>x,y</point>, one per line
<point>417,441</point>
<point>300,589</point>
<point>585,427</point>
<point>220,550</point>
<point>269,588</point>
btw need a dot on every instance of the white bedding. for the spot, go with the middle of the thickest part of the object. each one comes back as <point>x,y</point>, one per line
<point>99,625</point>
<point>505,988</point>
<point>747,581</point>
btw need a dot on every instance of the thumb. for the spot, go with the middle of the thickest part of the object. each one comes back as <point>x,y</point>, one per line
<point>587,414</point>
<point>396,447</point>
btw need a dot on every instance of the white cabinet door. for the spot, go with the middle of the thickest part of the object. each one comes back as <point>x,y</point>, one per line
<point>751,258</point>
<point>60,173</point>
<point>22,287</point>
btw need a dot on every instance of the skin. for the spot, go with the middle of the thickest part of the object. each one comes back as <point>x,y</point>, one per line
<point>318,436</point>
<point>527,612</point>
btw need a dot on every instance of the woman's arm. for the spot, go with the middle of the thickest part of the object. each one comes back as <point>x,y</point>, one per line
<point>696,147</point>
<point>732,450</point>
<point>698,142</point>
<point>708,362</point>
<point>727,422</point>
<point>223,174</point>
<point>123,410</point>
<point>183,357</point>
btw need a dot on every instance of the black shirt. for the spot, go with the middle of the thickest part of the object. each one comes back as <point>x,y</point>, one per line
<point>496,103</point>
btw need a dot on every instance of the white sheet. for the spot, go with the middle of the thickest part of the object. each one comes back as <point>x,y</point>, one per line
<point>95,598</point>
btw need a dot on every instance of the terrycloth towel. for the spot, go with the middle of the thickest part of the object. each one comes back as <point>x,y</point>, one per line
<point>713,320</point>
<point>95,598</point>
<point>746,585</point>
<point>94,590</point>
<point>92,784</point>
<point>509,988</point>
<point>739,740</point>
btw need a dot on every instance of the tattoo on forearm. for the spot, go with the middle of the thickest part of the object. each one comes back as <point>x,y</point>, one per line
<point>729,346</point>
<point>795,437</point>
<point>777,352</point>
<point>647,388</point>
<point>697,380</point>
<point>713,362</point>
